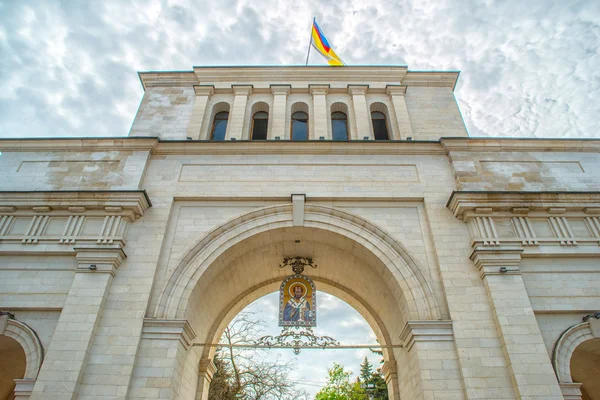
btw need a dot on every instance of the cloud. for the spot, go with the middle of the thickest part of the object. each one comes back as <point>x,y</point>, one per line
<point>68,68</point>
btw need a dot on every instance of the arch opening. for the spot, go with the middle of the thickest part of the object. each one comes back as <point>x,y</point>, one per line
<point>585,368</point>
<point>308,369</point>
<point>13,363</point>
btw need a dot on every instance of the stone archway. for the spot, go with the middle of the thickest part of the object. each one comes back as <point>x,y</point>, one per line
<point>358,262</point>
<point>26,338</point>
<point>583,336</point>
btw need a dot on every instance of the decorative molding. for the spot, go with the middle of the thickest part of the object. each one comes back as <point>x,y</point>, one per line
<point>358,90</point>
<point>395,90</point>
<point>464,204</point>
<point>242,90</point>
<point>426,331</point>
<point>280,89</point>
<point>23,388</point>
<point>571,391</point>
<point>207,368</point>
<point>389,370</point>
<point>99,258</point>
<point>169,329</point>
<point>204,90</point>
<point>495,145</point>
<point>497,261</point>
<point>568,342</point>
<point>40,210</point>
<point>29,341</point>
<point>127,143</point>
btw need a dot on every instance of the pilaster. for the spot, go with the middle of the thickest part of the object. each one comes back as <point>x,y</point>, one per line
<point>278,128</point>
<point>207,371</point>
<point>67,358</point>
<point>396,93</point>
<point>390,374</point>
<point>529,366</point>
<point>433,370</point>
<point>161,358</point>
<point>238,111</point>
<point>203,93</point>
<point>319,93</point>
<point>361,111</point>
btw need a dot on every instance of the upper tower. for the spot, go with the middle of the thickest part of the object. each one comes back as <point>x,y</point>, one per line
<point>299,103</point>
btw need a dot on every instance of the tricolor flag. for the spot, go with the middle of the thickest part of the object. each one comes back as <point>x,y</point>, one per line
<point>320,43</point>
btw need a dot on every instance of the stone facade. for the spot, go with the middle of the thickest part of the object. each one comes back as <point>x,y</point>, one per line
<point>474,260</point>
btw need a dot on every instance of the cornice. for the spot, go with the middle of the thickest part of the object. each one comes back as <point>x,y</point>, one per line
<point>127,143</point>
<point>130,204</point>
<point>168,329</point>
<point>491,144</point>
<point>431,78</point>
<point>168,79</point>
<point>357,147</point>
<point>426,331</point>
<point>467,204</point>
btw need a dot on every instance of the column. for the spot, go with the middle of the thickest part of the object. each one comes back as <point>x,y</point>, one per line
<point>319,93</point>
<point>431,370</point>
<point>207,370</point>
<point>238,111</point>
<point>361,111</point>
<point>203,93</point>
<point>530,369</point>
<point>396,93</point>
<point>277,124</point>
<point>67,357</point>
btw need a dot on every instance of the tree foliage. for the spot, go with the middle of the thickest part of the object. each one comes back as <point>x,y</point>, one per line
<point>246,373</point>
<point>366,370</point>
<point>338,386</point>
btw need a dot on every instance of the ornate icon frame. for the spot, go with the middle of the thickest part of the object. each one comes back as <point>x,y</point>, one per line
<point>313,302</point>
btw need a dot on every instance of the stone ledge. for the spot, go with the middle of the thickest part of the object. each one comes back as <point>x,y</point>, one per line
<point>168,329</point>
<point>426,331</point>
<point>130,204</point>
<point>469,204</point>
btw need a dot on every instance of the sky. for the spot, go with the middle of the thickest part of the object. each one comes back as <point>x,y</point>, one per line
<point>335,318</point>
<point>528,68</point>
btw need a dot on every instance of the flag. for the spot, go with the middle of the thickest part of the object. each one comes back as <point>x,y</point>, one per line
<point>320,43</point>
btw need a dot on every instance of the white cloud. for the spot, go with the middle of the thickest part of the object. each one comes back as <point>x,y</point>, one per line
<point>527,68</point>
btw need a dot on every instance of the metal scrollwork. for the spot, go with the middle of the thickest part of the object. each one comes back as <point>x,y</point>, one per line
<point>297,337</point>
<point>298,264</point>
<point>595,315</point>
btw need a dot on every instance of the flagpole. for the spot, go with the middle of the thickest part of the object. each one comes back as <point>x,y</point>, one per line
<point>310,42</point>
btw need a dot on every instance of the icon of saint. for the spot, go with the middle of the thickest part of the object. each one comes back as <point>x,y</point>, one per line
<point>297,309</point>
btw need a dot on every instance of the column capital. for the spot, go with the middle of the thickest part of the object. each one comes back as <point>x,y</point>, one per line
<point>204,90</point>
<point>358,89</point>
<point>242,90</point>
<point>169,329</point>
<point>318,89</point>
<point>389,370</point>
<point>99,258</point>
<point>426,331</point>
<point>395,90</point>
<point>502,260</point>
<point>207,367</point>
<point>281,89</point>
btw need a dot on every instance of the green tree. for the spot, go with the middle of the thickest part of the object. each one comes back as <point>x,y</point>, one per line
<point>378,387</point>
<point>366,370</point>
<point>339,387</point>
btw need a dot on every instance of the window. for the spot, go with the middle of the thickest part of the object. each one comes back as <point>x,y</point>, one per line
<point>339,126</point>
<point>299,126</point>
<point>379,125</point>
<point>259,125</point>
<point>219,126</point>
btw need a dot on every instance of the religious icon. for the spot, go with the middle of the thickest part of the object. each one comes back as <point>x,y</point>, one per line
<point>297,302</point>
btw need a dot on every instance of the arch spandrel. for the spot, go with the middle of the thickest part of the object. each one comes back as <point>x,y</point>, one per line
<point>390,253</point>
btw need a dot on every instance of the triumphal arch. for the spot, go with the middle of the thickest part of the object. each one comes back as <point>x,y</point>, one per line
<point>474,260</point>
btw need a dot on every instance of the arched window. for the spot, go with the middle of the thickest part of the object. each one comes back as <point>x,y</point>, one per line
<point>339,126</point>
<point>299,125</point>
<point>260,122</point>
<point>379,126</point>
<point>219,126</point>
